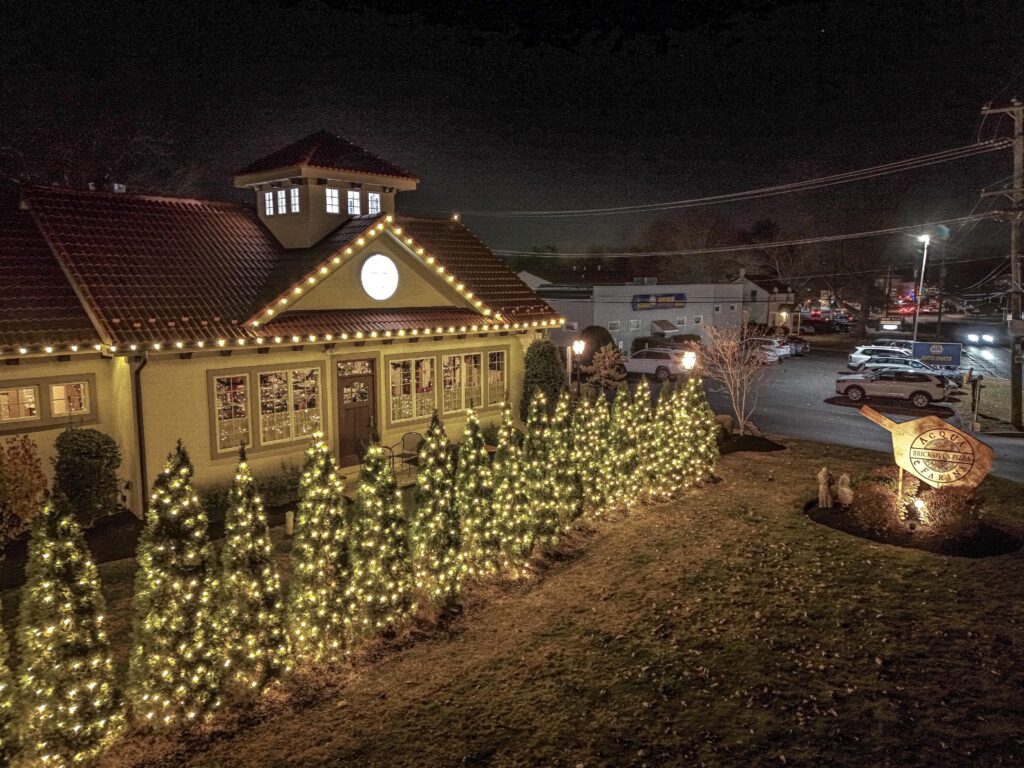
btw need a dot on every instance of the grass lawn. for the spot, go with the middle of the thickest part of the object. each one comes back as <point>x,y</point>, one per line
<point>994,409</point>
<point>725,629</point>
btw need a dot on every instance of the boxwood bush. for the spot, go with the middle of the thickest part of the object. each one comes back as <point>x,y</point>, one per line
<point>85,471</point>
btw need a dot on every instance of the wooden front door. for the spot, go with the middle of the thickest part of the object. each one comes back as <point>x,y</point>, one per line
<point>357,409</point>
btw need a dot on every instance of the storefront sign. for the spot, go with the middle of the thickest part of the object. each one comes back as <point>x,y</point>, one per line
<point>937,353</point>
<point>658,301</point>
<point>936,452</point>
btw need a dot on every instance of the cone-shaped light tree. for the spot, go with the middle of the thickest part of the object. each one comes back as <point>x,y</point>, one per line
<point>7,691</point>
<point>665,448</point>
<point>595,465</point>
<point>435,530</point>
<point>481,542</point>
<point>382,571</point>
<point>69,709</point>
<point>621,456</point>
<point>510,510</point>
<point>703,429</point>
<point>536,471</point>
<point>566,494</point>
<point>641,434</point>
<point>174,675</point>
<point>250,611</point>
<point>319,610</point>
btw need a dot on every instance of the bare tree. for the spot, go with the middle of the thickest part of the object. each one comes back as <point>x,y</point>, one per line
<point>737,364</point>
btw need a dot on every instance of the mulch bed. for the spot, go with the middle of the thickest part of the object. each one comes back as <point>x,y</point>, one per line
<point>752,443</point>
<point>984,540</point>
<point>899,407</point>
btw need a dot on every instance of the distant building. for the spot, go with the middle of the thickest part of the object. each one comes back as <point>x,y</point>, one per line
<point>767,300</point>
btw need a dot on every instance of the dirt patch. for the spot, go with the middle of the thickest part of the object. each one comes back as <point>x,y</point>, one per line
<point>753,443</point>
<point>899,407</point>
<point>982,540</point>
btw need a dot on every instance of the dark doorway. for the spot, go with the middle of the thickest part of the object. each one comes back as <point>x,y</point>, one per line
<point>357,409</point>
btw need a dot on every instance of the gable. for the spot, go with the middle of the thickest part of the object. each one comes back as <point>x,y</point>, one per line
<point>419,287</point>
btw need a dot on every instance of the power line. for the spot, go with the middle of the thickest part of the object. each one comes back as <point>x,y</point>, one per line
<point>847,177</point>
<point>751,246</point>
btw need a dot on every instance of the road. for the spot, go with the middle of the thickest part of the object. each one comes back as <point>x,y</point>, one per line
<point>792,403</point>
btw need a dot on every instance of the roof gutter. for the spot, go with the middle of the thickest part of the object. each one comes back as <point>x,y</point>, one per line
<point>140,429</point>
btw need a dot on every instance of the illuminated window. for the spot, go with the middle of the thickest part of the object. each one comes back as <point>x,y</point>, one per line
<point>293,194</point>
<point>69,399</point>
<point>289,404</point>
<point>495,378</point>
<point>373,203</point>
<point>282,201</point>
<point>333,203</point>
<point>473,370</point>
<point>451,383</point>
<point>353,202</point>
<point>412,388</point>
<point>268,203</point>
<point>19,404</point>
<point>231,393</point>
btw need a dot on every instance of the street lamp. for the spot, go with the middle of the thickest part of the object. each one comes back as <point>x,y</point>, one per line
<point>577,349</point>
<point>920,289</point>
<point>689,360</point>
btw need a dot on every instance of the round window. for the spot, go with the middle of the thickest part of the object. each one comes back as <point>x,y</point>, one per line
<point>379,277</point>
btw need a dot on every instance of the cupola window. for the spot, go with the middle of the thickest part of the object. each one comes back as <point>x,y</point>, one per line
<point>268,203</point>
<point>373,203</point>
<point>294,199</point>
<point>354,207</point>
<point>333,204</point>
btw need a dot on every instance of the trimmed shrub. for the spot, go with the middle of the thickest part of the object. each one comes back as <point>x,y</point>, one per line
<point>22,483</point>
<point>545,371</point>
<point>85,471</point>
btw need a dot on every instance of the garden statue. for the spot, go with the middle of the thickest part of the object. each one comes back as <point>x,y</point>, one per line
<point>825,489</point>
<point>844,493</point>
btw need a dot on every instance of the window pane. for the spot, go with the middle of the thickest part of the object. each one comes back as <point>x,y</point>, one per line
<point>425,386</point>
<point>306,401</point>
<point>401,390</point>
<point>495,378</point>
<point>451,376</point>
<point>294,194</point>
<point>281,203</point>
<point>356,392</point>
<point>18,403</point>
<point>353,202</point>
<point>333,204</point>
<point>355,368</point>
<point>373,202</point>
<point>474,381</point>
<point>69,399</point>
<point>232,411</point>
<point>275,422</point>
<point>268,203</point>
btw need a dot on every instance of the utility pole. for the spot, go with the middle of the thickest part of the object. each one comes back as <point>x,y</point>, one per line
<point>1016,194</point>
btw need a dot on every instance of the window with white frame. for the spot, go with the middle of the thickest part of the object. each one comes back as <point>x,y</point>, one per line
<point>613,325</point>
<point>412,388</point>
<point>698,319</point>
<point>293,195</point>
<point>69,398</point>
<point>495,377</point>
<point>373,203</point>
<point>681,320</point>
<point>19,404</point>
<point>232,403</point>
<point>268,203</point>
<point>634,325</point>
<point>282,201</point>
<point>451,383</point>
<point>289,404</point>
<point>473,370</point>
<point>333,201</point>
<point>354,207</point>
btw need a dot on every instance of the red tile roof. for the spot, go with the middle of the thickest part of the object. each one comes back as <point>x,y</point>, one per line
<point>38,306</point>
<point>325,150</point>
<point>352,321</point>
<point>162,270</point>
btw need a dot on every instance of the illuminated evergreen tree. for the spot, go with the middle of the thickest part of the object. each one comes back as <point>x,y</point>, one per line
<point>537,471</point>
<point>703,430</point>
<point>481,540</point>
<point>665,479</point>
<point>435,531</point>
<point>641,437</point>
<point>69,709</point>
<point>597,468</point>
<point>251,622</point>
<point>382,570</point>
<point>318,609</point>
<point>510,510</point>
<point>174,674</point>
<point>620,458</point>
<point>566,494</point>
<point>7,694</point>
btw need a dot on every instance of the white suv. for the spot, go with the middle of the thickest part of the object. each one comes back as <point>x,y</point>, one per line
<point>917,387</point>
<point>864,353</point>
<point>659,363</point>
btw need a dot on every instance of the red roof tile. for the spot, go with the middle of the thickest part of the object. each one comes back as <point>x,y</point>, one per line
<point>352,321</point>
<point>325,150</point>
<point>38,306</point>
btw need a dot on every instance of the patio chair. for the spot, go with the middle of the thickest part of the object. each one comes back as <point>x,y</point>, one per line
<point>407,452</point>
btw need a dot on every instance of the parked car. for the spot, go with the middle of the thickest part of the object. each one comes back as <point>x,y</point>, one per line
<point>767,353</point>
<point>798,345</point>
<point>778,345</point>
<point>919,388</point>
<point>660,363</point>
<point>906,344</point>
<point>898,361</point>
<point>864,353</point>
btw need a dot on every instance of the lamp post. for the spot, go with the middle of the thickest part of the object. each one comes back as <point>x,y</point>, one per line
<point>920,289</point>
<point>689,360</point>
<point>577,350</point>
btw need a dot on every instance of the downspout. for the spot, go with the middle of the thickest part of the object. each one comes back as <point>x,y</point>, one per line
<point>140,429</point>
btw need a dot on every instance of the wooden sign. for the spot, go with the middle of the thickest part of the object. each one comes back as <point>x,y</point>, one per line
<point>935,452</point>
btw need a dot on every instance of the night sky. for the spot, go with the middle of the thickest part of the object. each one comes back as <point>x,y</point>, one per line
<point>564,106</point>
